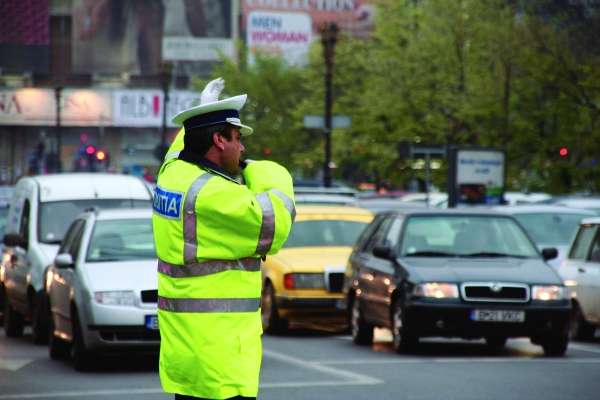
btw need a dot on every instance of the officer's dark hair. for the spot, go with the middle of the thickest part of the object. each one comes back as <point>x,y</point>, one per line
<point>199,140</point>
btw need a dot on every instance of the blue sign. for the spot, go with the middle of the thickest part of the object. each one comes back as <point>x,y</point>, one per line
<point>167,204</point>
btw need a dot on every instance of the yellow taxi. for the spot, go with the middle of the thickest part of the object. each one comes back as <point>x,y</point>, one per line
<point>303,282</point>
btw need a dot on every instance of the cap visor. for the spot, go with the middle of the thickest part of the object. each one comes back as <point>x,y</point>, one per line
<point>245,130</point>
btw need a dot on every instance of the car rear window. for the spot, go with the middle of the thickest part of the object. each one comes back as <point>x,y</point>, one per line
<point>324,233</point>
<point>56,216</point>
<point>121,240</point>
<point>552,229</point>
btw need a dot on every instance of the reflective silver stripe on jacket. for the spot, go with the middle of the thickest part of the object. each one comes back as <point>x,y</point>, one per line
<point>170,156</point>
<point>289,203</point>
<point>208,305</point>
<point>208,267</point>
<point>267,228</point>
<point>190,246</point>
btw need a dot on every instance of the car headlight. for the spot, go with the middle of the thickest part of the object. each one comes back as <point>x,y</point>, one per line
<point>304,281</point>
<point>436,290</point>
<point>547,292</point>
<point>115,298</point>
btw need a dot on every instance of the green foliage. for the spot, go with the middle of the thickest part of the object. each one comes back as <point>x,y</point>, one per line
<point>519,76</point>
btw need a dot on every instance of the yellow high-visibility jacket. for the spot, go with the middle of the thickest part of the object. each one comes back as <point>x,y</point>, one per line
<point>210,232</point>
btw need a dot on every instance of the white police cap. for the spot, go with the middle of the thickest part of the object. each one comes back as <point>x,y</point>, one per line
<point>214,112</point>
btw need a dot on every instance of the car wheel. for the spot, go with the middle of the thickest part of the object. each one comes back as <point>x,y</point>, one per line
<point>271,321</point>
<point>39,318</point>
<point>58,349</point>
<point>362,332</point>
<point>580,328</point>
<point>495,343</point>
<point>80,355</point>
<point>555,346</point>
<point>403,340</point>
<point>13,321</point>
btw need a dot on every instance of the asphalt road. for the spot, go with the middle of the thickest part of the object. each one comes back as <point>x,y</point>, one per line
<point>312,364</point>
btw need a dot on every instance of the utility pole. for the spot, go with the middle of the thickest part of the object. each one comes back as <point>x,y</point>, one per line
<point>328,32</point>
<point>165,83</point>
<point>57,97</point>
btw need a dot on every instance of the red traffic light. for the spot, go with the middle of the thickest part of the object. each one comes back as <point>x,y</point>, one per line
<point>563,151</point>
<point>90,149</point>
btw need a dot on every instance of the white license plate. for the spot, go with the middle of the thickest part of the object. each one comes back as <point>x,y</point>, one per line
<point>498,315</point>
<point>151,322</point>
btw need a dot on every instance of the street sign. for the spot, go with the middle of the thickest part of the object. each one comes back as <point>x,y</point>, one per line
<point>318,121</point>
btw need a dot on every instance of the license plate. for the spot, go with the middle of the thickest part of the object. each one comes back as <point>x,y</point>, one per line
<point>498,315</point>
<point>152,322</point>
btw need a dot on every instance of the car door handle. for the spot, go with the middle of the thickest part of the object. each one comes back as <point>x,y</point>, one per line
<point>580,269</point>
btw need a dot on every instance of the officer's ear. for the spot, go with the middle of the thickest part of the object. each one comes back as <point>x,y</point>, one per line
<point>219,140</point>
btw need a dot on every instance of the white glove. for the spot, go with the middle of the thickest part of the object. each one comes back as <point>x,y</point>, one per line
<point>212,91</point>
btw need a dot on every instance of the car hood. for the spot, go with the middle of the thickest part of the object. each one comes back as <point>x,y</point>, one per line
<point>122,275</point>
<point>480,269</point>
<point>312,259</point>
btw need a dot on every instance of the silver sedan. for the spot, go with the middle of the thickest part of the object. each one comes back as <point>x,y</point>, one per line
<point>102,286</point>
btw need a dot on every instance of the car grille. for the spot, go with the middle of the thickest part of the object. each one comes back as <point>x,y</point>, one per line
<point>335,281</point>
<point>495,292</point>
<point>150,296</point>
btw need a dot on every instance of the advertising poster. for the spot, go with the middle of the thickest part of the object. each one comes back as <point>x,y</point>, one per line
<point>24,36</point>
<point>280,26</point>
<point>477,176</point>
<point>135,37</point>
<point>279,34</point>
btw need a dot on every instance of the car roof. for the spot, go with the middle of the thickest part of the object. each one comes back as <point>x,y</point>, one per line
<point>320,209</point>
<point>324,199</point>
<point>82,186</point>
<point>476,211</point>
<point>542,209</point>
<point>123,213</point>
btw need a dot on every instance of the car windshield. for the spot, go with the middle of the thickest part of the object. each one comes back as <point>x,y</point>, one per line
<point>56,216</point>
<point>121,240</point>
<point>324,233</point>
<point>470,236</point>
<point>552,229</point>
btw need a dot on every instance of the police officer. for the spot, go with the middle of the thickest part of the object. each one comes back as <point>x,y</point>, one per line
<point>210,232</point>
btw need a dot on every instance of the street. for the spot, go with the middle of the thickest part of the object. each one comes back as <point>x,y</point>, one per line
<point>313,364</point>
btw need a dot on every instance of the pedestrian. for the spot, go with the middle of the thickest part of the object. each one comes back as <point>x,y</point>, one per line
<point>211,230</point>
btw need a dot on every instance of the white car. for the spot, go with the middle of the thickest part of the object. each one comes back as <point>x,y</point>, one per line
<point>581,274</point>
<point>549,225</point>
<point>41,209</point>
<point>103,288</point>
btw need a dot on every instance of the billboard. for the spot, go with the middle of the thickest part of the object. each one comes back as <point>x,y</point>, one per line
<point>24,36</point>
<point>135,37</point>
<point>87,107</point>
<point>279,34</point>
<point>352,16</point>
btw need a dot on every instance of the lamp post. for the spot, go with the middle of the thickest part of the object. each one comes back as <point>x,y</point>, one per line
<point>328,32</point>
<point>165,81</point>
<point>57,97</point>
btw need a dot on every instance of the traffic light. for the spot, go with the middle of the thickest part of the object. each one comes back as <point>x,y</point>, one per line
<point>563,152</point>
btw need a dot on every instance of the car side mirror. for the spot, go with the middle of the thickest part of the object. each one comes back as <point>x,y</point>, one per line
<point>14,240</point>
<point>64,260</point>
<point>382,251</point>
<point>549,253</point>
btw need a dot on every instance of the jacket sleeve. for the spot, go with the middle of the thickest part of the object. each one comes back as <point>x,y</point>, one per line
<point>174,150</point>
<point>251,220</point>
<point>272,183</point>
